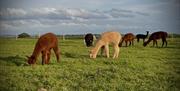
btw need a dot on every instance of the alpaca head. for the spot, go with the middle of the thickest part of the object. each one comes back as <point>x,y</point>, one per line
<point>89,42</point>
<point>31,60</point>
<point>120,44</point>
<point>121,41</point>
<point>92,53</point>
<point>147,32</point>
<point>145,43</point>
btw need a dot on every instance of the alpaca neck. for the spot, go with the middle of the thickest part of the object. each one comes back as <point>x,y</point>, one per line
<point>120,43</point>
<point>99,44</point>
<point>149,40</point>
<point>147,33</point>
<point>36,52</point>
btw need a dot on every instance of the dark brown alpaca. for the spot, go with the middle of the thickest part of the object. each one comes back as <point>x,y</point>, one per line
<point>129,37</point>
<point>155,36</point>
<point>44,45</point>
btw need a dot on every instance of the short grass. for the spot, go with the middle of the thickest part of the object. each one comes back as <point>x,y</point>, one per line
<point>138,68</point>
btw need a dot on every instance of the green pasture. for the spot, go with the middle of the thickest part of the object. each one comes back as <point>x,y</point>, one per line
<point>138,68</point>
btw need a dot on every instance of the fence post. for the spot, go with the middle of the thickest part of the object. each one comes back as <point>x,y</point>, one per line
<point>63,37</point>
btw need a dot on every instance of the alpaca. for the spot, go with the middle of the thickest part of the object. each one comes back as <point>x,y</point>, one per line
<point>44,45</point>
<point>142,36</point>
<point>89,39</point>
<point>155,36</point>
<point>129,37</point>
<point>105,39</point>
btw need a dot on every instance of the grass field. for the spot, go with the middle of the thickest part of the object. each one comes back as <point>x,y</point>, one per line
<point>138,68</point>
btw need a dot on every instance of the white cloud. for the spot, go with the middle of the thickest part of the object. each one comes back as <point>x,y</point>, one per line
<point>64,14</point>
<point>12,12</point>
<point>44,10</point>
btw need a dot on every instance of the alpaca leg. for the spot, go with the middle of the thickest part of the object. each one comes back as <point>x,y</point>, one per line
<point>137,39</point>
<point>129,43</point>
<point>44,57</point>
<point>48,57</point>
<point>126,43</point>
<point>153,42</point>
<point>116,51</point>
<point>107,50</point>
<point>132,42</point>
<point>166,42</point>
<point>162,43</point>
<point>102,50</point>
<point>117,54</point>
<point>156,43</point>
<point>57,52</point>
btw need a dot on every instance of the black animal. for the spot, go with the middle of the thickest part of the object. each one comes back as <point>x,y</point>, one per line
<point>142,36</point>
<point>155,36</point>
<point>89,39</point>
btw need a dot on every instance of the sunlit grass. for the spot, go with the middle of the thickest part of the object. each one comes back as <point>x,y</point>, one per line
<point>138,68</point>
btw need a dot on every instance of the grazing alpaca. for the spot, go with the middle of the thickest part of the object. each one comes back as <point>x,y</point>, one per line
<point>129,37</point>
<point>105,39</point>
<point>155,36</point>
<point>89,39</point>
<point>142,36</point>
<point>44,45</point>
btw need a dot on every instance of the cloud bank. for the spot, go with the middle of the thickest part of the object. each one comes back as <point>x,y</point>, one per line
<point>63,16</point>
<point>43,18</point>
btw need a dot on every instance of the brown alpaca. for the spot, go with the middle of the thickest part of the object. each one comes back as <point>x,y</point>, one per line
<point>155,36</point>
<point>129,37</point>
<point>44,45</point>
<point>105,39</point>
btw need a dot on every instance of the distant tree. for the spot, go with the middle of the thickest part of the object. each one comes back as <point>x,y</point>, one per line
<point>23,35</point>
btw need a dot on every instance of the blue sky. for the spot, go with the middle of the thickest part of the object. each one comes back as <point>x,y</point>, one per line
<point>88,16</point>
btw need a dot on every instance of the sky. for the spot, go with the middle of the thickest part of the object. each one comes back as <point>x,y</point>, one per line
<point>88,16</point>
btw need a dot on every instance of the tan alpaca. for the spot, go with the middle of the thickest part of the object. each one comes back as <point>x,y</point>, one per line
<point>110,37</point>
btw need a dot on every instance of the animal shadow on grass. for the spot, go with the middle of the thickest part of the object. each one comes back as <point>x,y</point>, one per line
<point>17,60</point>
<point>73,55</point>
<point>163,47</point>
<point>126,46</point>
<point>76,55</point>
